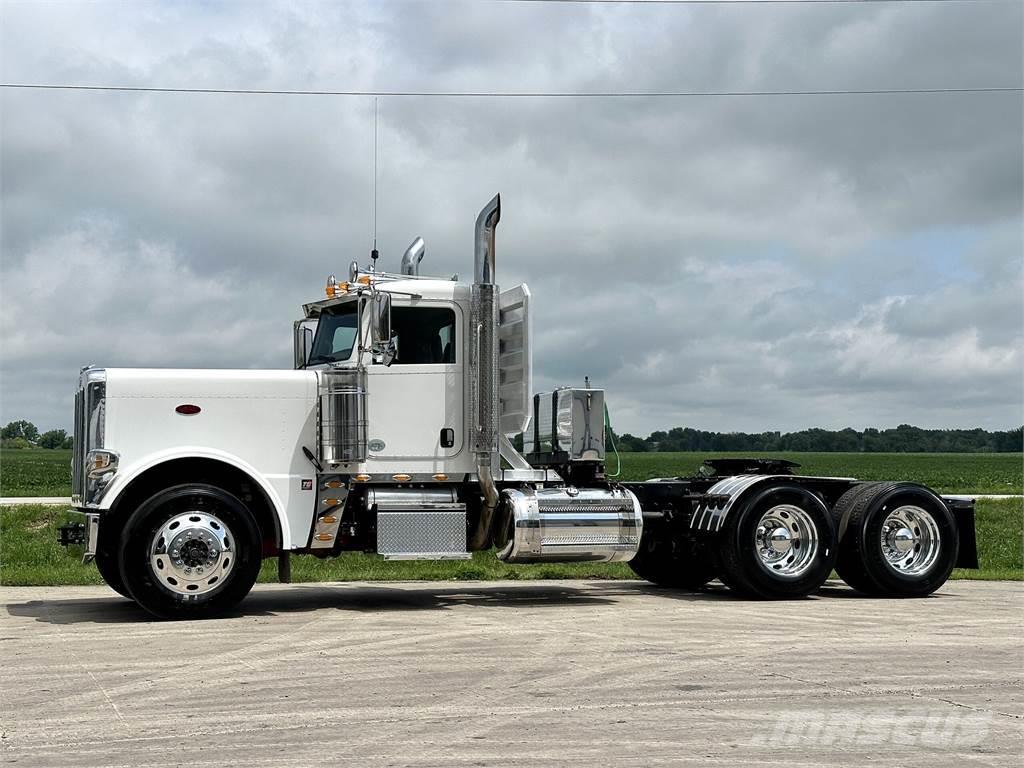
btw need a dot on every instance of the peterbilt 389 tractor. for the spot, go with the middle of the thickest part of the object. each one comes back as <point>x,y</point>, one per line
<point>396,434</point>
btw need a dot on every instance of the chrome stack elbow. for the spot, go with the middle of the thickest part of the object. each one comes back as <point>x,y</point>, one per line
<point>413,256</point>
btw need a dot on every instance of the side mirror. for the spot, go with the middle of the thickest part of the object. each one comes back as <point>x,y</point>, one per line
<point>385,348</point>
<point>303,341</point>
<point>381,308</point>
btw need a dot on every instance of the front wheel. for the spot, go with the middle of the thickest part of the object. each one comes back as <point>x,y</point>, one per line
<point>190,552</point>
<point>778,544</point>
<point>110,572</point>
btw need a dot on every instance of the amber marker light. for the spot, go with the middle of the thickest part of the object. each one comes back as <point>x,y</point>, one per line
<point>440,477</point>
<point>401,478</point>
<point>361,478</point>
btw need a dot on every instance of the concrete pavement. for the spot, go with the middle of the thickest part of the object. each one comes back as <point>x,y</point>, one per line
<point>515,673</point>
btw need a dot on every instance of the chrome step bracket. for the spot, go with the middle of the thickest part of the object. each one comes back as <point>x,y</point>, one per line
<point>331,497</point>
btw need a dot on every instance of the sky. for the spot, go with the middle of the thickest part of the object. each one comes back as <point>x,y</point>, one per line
<point>741,263</point>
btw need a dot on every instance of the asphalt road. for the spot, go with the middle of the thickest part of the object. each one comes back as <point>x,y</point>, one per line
<point>515,673</point>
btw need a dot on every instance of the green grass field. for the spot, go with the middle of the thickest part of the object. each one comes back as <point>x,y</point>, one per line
<point>48,473</point>
<point>35,472</point>
<point>30,555</point>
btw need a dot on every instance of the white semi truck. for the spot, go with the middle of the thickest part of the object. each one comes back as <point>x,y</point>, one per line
<point>394,435</point>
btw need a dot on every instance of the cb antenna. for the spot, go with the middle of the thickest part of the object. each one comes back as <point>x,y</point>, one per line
<point>374,253</point>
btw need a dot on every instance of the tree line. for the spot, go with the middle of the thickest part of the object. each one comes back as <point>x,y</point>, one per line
<point>903,439</point>
<point>25,434</point>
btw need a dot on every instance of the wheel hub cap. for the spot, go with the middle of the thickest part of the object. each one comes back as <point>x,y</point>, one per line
<point>910,540</point>
<point>192,553</point>
<point>781,540</point>
<point>904,540</point>
<point>786,541</point>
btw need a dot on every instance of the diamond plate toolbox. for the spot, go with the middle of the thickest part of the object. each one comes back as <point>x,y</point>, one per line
<point>409,534</point>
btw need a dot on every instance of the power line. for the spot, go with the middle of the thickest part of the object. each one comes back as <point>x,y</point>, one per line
<point>747,2</point>
<point>518,94</point>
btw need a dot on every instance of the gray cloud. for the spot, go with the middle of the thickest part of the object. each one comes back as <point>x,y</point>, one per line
<point>735,263</point>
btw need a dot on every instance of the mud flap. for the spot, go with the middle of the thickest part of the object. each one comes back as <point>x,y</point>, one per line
<point>963,512</point>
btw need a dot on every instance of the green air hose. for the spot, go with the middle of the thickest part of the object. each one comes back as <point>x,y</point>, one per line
<point>611,436</point>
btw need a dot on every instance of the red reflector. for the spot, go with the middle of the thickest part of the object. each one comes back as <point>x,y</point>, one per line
<point>188,409</point>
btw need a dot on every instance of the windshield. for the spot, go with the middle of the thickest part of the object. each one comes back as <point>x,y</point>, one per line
<point>335,335</point>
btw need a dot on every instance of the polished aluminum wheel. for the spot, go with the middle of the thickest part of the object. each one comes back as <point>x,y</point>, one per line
<point>786,540</point>
<point>192,553</point>
<point>910,540</point>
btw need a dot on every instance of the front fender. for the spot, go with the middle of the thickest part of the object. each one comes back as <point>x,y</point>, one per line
<point>128,473</point>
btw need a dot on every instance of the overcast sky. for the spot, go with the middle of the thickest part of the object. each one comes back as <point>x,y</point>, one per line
<point>738,263</point>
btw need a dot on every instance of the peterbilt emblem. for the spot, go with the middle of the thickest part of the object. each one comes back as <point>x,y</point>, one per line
<point>376,445</point>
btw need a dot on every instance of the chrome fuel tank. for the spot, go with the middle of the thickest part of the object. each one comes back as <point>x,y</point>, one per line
<point>569,525</point>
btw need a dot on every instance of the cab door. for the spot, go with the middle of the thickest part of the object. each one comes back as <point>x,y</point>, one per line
<point>416,407</point>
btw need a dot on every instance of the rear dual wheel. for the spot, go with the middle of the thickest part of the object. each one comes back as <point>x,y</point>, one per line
<point>779,544</point>
<point>897,539</point>
<point>668,561</point>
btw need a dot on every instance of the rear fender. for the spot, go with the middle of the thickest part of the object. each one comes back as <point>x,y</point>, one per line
<point>710,516</point>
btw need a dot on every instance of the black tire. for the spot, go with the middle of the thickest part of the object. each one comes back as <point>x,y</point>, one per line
<point>862,561</point>
<point>741,566</point>
<point>841,515</point>
<point>668,562</point>
<point>146,585</point>
<point>107,564</point>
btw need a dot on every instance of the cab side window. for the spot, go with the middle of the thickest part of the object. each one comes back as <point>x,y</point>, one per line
<point>425,335</point>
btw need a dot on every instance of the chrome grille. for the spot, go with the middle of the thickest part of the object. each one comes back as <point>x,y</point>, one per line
<point>90,418</point>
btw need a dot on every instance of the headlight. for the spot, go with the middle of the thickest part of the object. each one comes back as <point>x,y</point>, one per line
<point>101,462</point>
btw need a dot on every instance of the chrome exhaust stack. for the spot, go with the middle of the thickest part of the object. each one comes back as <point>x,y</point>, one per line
<point>483,369</point>
<point>413,256</point>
